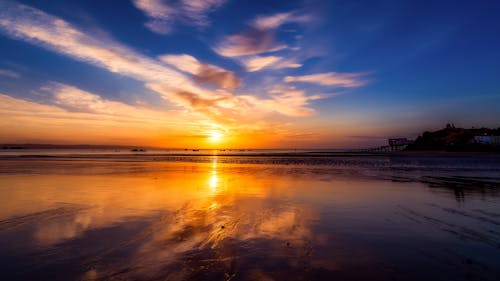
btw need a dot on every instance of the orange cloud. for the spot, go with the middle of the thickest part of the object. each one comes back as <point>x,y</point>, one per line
<point>203,72</point>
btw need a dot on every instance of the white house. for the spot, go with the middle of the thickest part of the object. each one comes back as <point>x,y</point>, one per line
<point>491,140</point>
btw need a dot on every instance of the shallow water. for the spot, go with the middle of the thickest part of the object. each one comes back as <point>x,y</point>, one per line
<point>250,218</point>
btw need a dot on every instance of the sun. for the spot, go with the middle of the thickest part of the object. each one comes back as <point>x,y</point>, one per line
<point>215,135</point>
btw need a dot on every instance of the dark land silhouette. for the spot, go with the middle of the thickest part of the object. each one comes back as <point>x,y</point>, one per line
<point>451,138</point>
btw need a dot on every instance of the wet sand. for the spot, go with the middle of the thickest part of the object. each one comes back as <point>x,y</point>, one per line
<point>170,217</point>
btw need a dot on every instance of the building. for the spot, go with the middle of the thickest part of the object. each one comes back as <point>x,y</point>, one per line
<point>488,140</point>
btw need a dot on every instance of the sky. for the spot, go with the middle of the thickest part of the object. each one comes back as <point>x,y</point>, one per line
<point>245,74</point>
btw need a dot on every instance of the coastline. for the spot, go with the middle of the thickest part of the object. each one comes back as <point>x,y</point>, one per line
<point>27,154</point>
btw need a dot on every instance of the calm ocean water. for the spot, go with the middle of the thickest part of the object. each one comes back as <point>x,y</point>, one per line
<point>273,215</point>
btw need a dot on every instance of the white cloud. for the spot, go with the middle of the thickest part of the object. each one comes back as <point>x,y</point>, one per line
<point>78,100</point>
<point>330,79</point>
<point>256,63</point>
<point>154,8</point>
<point>284,63</point>
<point>289,103</point>
<point>197,10</point>
<point>163,13</point>
<point>182,62</point>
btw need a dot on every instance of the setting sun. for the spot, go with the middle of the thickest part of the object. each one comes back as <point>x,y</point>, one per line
<point>215,135</point>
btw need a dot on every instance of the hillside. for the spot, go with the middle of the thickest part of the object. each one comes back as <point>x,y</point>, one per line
<point>455,139</point>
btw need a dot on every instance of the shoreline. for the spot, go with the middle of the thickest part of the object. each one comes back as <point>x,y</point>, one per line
<point>144,156</point>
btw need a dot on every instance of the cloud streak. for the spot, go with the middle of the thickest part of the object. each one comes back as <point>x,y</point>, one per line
<point>346,80</point>
<point>256,63</point>
<point>276,20</point>
<point>9,73</point>
<point>76,100</point>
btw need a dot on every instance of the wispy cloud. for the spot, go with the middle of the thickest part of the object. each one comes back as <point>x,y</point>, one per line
<point>160,14</point>
<point>330,79</point>
<point>163,14</point>
<point>203,72</point>
<point>9,73</point>
<point>276,20</point>
<point>290,103</point>
<point>256,63</point>
<point>198,10</point>
<point>259,37</point>
<point>76,100</point>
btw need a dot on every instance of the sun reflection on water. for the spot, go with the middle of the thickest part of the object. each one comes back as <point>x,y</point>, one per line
<point>213,181</point>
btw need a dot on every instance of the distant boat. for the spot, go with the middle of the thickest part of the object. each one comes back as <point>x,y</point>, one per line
<point>138,150</point>
<point>196,150</point>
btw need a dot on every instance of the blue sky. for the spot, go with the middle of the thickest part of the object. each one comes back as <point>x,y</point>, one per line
<point>290,73</point>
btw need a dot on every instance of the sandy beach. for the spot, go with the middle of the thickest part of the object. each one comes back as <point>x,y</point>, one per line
<point>250,218</point>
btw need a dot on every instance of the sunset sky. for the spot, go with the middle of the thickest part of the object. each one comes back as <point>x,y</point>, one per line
<point>245,74</point>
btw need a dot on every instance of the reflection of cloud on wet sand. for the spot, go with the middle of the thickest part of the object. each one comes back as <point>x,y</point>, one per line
<point>211,237</point>
<point>52,226</point>
<point>66,226</point>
